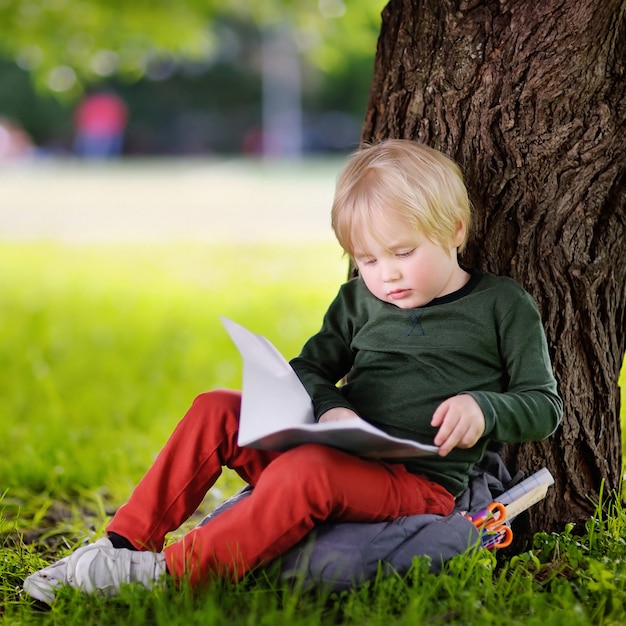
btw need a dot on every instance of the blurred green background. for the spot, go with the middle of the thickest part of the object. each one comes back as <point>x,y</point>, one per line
<point>113,278</point>
<point>197,77</point>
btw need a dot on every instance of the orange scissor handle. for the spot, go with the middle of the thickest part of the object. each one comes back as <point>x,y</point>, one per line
<point>506,536</point>
<point>493,515</point>
<point>491,522</point>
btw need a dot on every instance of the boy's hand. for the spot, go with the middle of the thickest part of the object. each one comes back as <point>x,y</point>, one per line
<point>460,421</point>
<point>337,414</point>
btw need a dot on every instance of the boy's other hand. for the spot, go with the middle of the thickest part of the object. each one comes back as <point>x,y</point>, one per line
<point>337,414</point>
<point>460,421</point>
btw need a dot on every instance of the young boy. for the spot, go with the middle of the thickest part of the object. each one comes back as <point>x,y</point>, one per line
<point>428,350</point>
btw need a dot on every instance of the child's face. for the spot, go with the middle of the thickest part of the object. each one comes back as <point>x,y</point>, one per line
<point>407,269</point>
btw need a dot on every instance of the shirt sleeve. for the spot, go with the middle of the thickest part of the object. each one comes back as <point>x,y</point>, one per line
<point>530,409</point>
<point>327,357</point>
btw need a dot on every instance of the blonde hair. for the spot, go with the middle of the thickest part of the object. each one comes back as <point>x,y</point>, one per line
<point>403,180</point>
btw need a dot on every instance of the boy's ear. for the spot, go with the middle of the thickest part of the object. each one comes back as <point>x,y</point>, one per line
<point>459,234</point>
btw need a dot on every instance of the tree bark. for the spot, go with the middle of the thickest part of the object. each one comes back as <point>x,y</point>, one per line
<point>530,98</point>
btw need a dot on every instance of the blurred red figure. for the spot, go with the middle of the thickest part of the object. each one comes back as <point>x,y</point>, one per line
<point>100,124</point>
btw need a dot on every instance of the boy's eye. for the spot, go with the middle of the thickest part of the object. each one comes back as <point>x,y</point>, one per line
<point>364,260</point>
<point>404,253</point>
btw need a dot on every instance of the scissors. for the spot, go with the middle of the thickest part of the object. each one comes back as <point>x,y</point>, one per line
<point>491,522</point>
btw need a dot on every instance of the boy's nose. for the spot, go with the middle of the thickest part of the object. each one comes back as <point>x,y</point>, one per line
<point>389,272</point>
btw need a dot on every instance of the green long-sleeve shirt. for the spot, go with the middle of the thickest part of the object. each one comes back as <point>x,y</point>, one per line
<point>485,339</point>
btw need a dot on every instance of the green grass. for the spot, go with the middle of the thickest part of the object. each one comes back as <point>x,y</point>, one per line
<point>102,348</point>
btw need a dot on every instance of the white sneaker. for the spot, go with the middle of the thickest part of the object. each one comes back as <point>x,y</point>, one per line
<point>42,584</point>
<point>104,570</point>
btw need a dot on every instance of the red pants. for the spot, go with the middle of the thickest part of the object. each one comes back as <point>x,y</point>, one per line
<point>293,491</point>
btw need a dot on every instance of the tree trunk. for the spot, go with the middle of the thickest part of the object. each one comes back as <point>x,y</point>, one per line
<point>530,98</point>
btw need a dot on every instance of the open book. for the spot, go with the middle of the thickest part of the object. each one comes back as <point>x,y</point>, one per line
<point>277,413</point>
